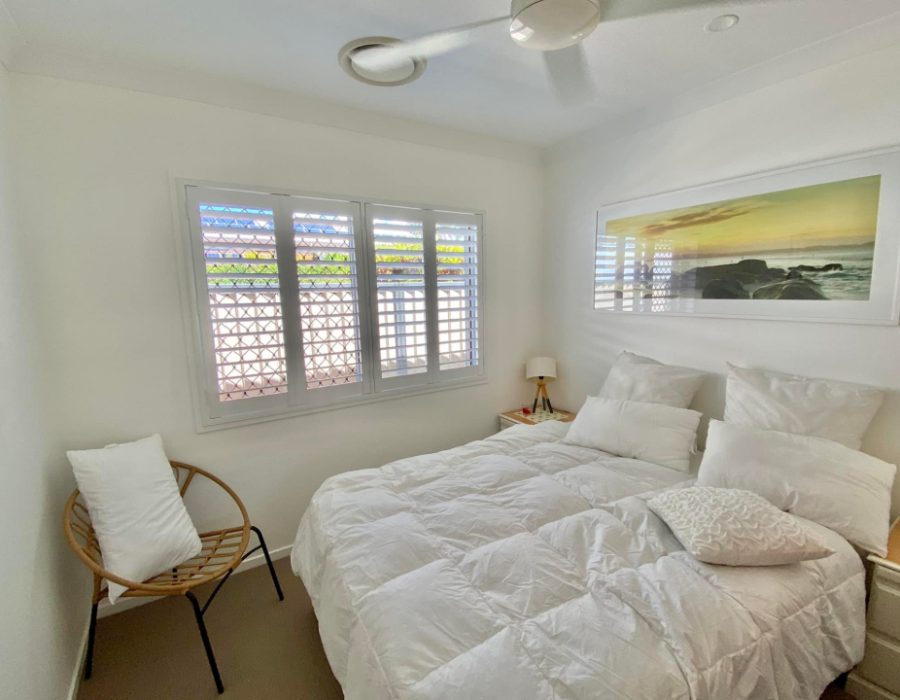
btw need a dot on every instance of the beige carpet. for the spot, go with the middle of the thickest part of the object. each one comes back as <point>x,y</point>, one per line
<point>266,649</point>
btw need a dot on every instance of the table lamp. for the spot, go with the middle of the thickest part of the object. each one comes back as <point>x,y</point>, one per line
<point>541,370</point>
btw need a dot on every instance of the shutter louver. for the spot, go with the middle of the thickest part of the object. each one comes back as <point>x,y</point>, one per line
<point>328,281</point>
<point>244,300</point>
<point>400,294</point>
<point>457,294</point>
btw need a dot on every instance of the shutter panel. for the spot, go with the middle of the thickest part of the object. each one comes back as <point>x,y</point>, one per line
<point>328,292</point>
<point>397,240</point>
<point>457,251</point>
<point>243,297</point>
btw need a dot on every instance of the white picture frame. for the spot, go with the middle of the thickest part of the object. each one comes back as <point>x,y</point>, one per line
<point>883,305</point>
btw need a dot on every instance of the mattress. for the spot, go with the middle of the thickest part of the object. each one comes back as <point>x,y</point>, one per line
<point>521,567</point>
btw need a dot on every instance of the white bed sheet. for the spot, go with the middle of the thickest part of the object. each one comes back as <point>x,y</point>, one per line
<point>519,567</point>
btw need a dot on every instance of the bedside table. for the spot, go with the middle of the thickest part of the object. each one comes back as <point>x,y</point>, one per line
<point>511,418</point>
<point>878,676</point>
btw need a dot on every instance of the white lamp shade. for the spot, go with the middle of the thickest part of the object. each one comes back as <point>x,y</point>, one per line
<point>540,367</point>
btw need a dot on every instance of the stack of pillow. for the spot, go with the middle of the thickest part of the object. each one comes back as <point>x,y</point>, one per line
<point>642,412</point>
<point>788,450</point>
<point>795,442</point>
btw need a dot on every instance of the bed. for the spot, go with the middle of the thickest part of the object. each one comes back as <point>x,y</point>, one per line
<point>525,568</point>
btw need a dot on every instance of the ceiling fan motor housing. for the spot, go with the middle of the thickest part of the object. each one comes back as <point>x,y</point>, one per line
<point>547,25</point>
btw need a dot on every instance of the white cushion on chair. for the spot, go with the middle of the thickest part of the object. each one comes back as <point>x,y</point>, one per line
<point>136,509</point>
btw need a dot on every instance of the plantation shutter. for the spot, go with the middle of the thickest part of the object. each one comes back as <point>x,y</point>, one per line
<point>397,245</point>
<point>235,255</point>
<point>458,315</point>
<point>303,302</point>
<point>426,282</point>
<point>325,236</point>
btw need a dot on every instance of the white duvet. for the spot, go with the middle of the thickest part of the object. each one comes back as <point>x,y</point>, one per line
<point>521,568</point>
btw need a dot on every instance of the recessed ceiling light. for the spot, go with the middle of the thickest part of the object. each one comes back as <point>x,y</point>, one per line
<point>722,23</point>
<point>397,72</point>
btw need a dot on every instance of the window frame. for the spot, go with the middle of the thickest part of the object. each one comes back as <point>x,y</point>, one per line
<point>210,413</point>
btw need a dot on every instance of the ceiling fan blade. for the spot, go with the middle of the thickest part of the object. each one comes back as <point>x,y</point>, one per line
<point>625,9</point>
<point>382,58</point>
<point>569,74</point>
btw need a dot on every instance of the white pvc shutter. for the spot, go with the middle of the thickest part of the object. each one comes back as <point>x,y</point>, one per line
<point>328,293</point>
<point>302,302</point>
<point>244,299</point>
<point>457,252</point>
<point>397,245</point>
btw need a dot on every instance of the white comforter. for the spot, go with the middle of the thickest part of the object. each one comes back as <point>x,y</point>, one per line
<point>521,568</point>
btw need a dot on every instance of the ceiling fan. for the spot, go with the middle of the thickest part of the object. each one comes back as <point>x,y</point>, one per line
<point>555,27</point>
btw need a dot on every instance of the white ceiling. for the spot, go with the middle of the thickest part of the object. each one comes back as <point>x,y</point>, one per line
<point>492,87</point>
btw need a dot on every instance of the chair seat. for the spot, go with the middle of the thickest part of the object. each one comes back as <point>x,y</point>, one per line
<point>222,552</point>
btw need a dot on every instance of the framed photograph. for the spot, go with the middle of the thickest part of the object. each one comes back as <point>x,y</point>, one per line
<point>817,242</point>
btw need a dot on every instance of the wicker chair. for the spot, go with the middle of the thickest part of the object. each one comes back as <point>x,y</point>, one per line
<point>223,550</point>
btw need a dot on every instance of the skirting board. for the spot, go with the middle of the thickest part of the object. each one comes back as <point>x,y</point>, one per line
<point>105,610</point>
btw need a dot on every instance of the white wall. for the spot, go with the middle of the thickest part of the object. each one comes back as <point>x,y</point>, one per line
<point>96,202</point>
<point>43,601</point>
<point>843,109</point>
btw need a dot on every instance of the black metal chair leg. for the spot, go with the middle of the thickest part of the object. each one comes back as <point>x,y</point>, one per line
<point>198,613</point>
<point>92,634</point>
<point>262,543</point>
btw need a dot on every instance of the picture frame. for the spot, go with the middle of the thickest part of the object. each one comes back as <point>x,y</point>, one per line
<point>819,251</point>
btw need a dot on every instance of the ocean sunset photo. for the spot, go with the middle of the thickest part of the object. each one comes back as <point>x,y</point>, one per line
<point>806,243</point>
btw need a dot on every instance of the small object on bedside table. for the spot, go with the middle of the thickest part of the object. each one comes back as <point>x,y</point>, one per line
<point>525,417</point>
<point>878,676</point>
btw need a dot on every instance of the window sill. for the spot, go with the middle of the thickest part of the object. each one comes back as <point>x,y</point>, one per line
<point>207,425</point>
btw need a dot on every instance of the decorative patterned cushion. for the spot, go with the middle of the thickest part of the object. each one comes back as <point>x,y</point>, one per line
<point>735,527</point>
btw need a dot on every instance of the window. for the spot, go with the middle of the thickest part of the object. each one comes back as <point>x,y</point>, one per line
<point>305,302</point>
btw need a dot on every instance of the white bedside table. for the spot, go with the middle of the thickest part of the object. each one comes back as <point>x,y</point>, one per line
<point>511,418</point>
<point>878,676</point>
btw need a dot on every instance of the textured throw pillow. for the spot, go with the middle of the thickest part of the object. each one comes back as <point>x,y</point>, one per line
<point>838,411</point>
<point>136,509</point>
<point>735,527</point>
<point>652,432</point>
<point>636,378</point>
<point>817,479</point>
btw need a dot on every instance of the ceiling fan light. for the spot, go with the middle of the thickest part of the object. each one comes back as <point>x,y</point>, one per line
<point>389,71</point>
<point>547,25</point>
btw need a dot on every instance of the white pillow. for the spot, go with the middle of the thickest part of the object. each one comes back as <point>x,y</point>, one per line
<point>141,523</point>
<point>735,527</point>
<point>814,478</point>
<point>636,378</point>
<point>652,432</point>
<point>631,358</point>
<point>773,401</point>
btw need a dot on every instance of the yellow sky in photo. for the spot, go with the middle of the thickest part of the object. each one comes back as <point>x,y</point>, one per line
<point>831,214</point>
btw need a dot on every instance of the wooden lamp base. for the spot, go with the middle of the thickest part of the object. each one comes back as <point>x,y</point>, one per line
<point>541,393</point>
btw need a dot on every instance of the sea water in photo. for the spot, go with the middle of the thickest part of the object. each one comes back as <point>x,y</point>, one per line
<point>851,283</point>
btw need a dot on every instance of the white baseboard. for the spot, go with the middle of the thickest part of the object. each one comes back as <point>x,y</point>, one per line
<point>105,610</point>
<point>79,664</point>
